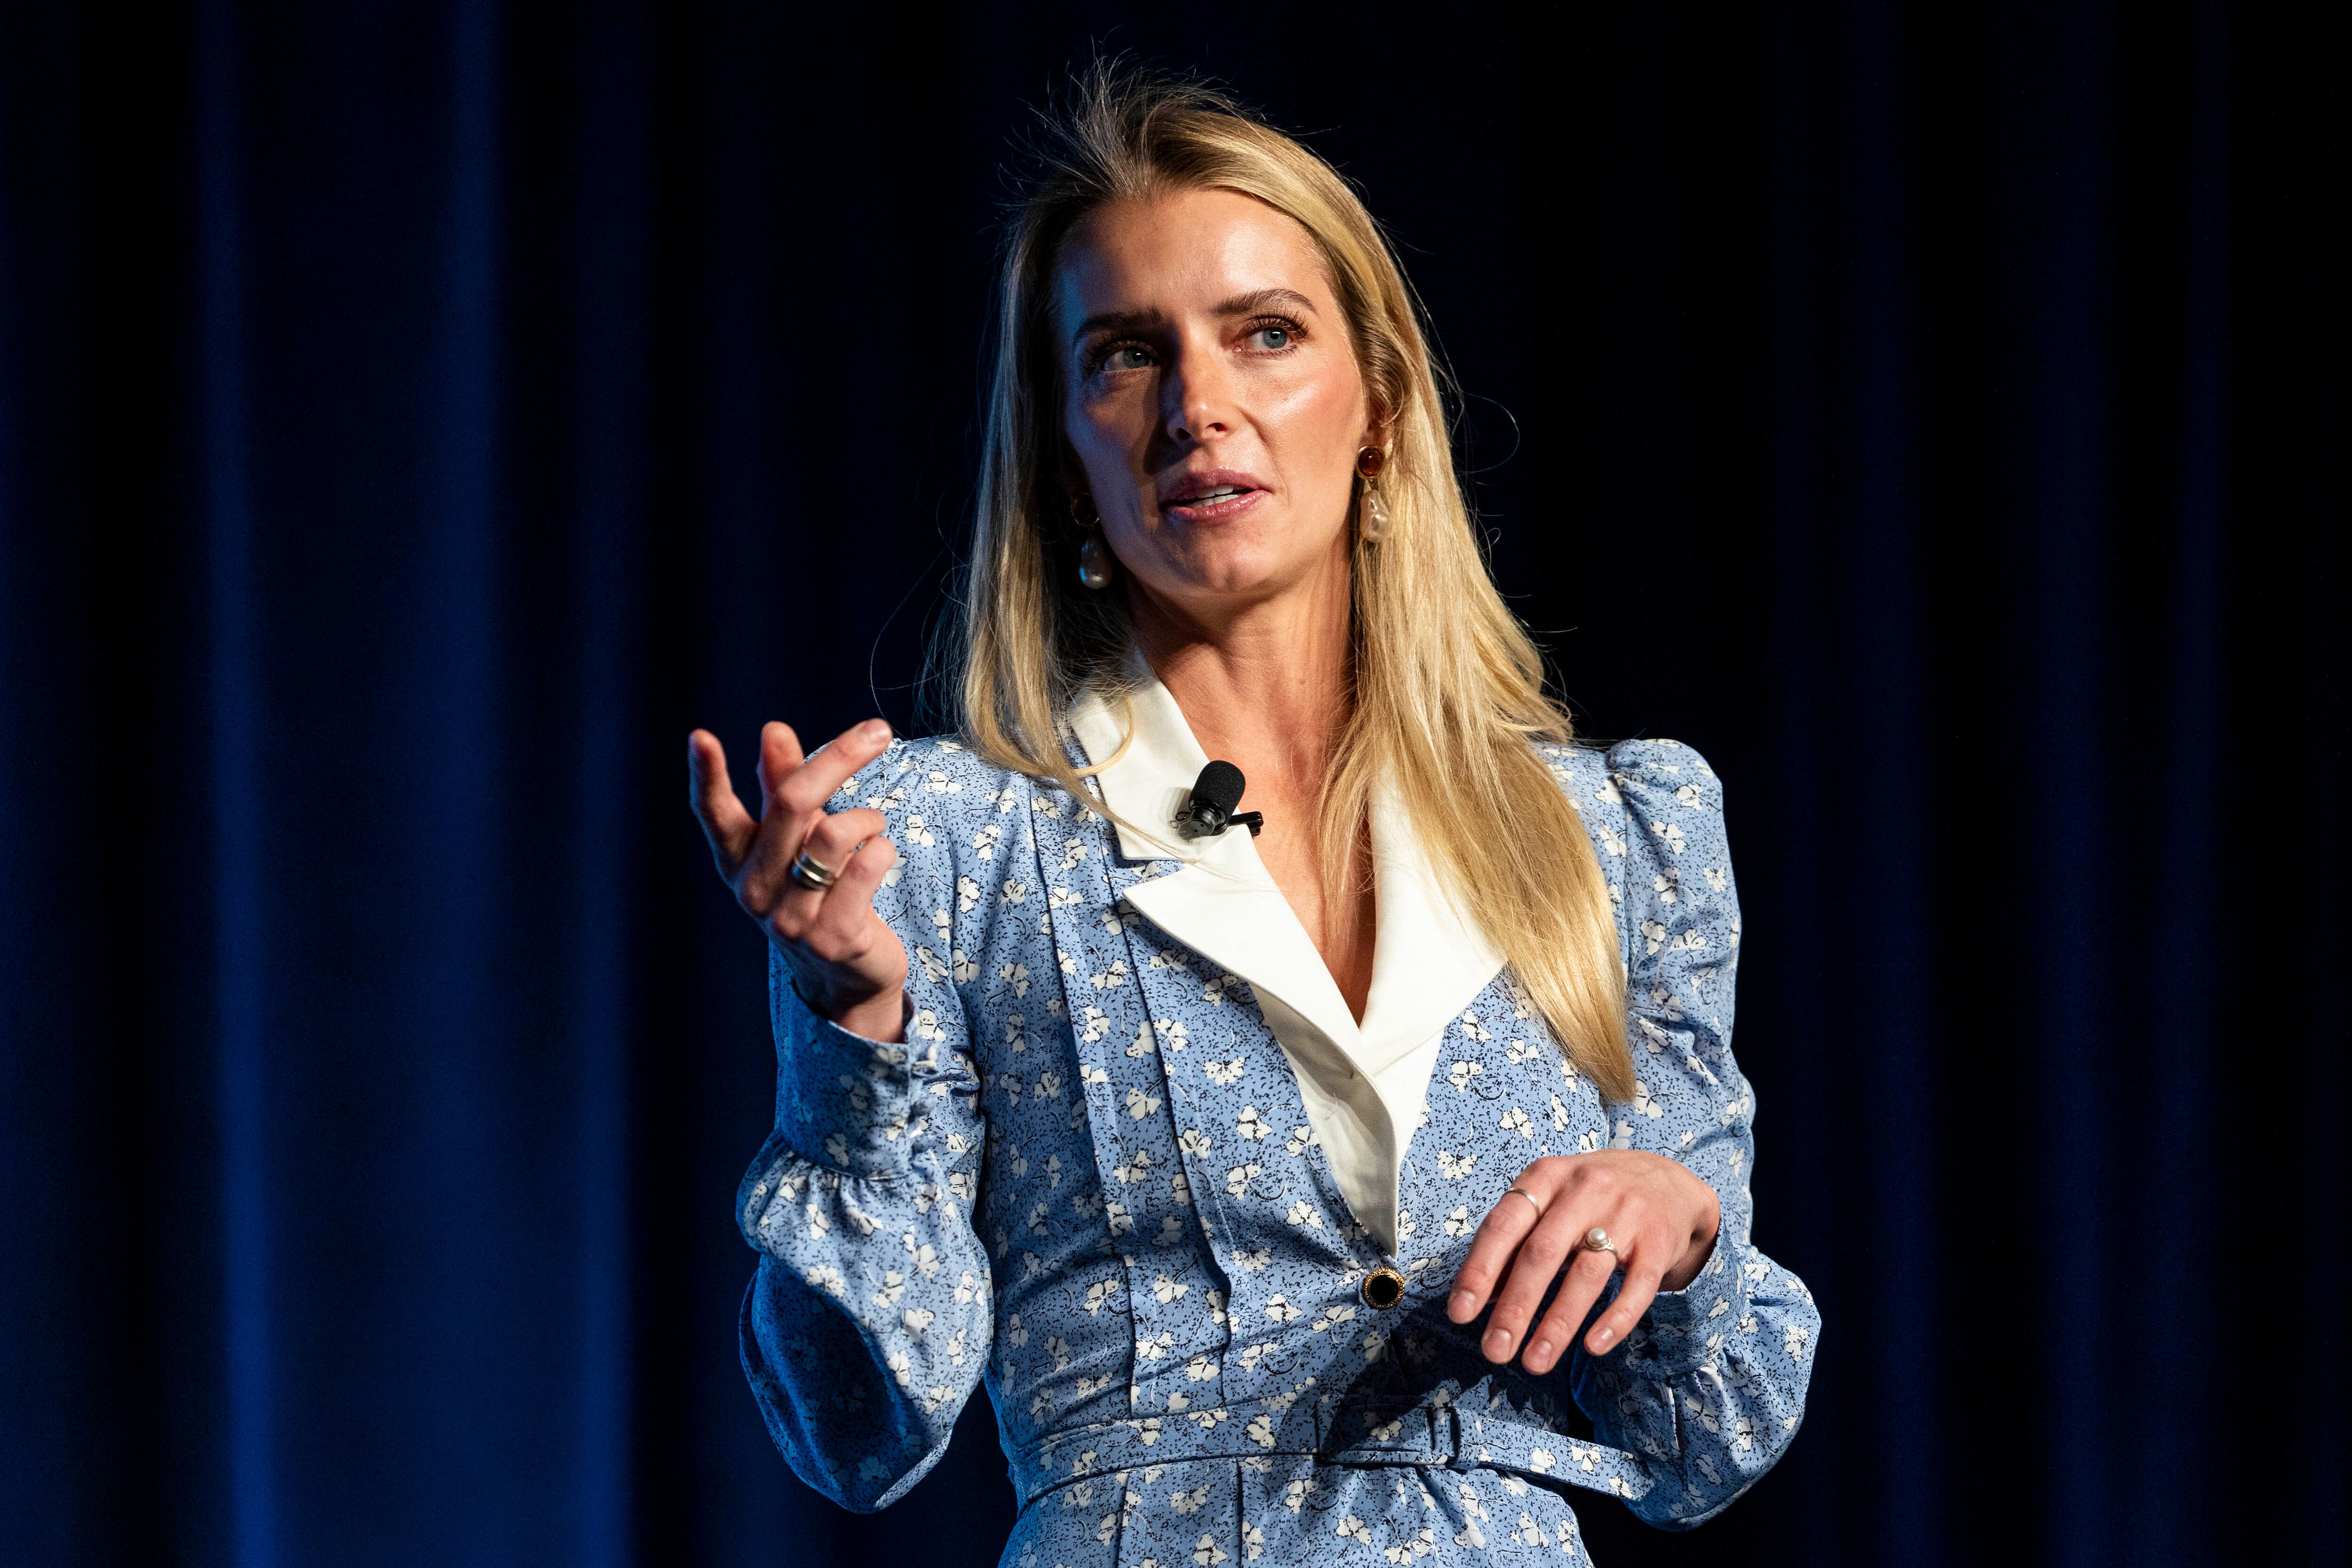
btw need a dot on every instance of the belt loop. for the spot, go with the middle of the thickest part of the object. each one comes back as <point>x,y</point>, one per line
<point>1445,1434</point>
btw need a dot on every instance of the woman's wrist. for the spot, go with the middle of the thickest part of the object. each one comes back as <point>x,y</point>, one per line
<point>879,1014</point>
<point>1702,1243</point>
<point>881,1018</point>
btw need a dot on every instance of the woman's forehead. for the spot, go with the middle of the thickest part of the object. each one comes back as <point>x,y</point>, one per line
<point>1188,252</point>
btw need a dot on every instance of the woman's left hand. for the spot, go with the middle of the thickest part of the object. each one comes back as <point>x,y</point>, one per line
<point>1661,1218</point>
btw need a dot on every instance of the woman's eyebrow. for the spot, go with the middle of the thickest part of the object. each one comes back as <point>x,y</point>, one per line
<point>1248,304</point>
<point>1258,299</point>
<point>1115,321</point>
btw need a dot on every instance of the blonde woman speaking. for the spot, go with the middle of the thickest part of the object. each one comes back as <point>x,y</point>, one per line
<point>1286,1188</point>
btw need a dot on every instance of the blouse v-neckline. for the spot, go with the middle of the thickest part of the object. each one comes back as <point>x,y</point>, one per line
<point>1362,1083</point>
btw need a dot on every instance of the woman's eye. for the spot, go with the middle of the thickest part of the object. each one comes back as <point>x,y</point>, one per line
<point>1272,337</point>
<point>1124,357</point>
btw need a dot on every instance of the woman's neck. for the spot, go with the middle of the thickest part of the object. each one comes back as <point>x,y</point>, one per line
<point>1264,685</point>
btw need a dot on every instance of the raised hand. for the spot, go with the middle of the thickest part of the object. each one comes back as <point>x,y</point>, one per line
<point>848,963</point>
<point>1661,1218</point>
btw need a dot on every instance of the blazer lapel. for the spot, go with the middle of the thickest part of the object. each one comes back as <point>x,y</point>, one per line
<point>1218,901</point>
<point>1429,961</point>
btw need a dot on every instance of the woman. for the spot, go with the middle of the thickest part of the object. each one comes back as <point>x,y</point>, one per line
<point>1242,1167</point>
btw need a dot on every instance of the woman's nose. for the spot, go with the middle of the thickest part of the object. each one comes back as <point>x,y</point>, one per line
<point>1198,396</point>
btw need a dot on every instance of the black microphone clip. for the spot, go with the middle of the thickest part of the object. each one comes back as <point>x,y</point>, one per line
<point>1210,810</point>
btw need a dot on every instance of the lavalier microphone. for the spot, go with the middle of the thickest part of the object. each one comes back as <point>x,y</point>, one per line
<point>1210,812</point>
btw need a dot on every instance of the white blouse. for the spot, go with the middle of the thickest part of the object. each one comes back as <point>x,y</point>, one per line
<point>1364,1084</point>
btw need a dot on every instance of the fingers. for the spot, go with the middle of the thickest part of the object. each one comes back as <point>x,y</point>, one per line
<point>1588,1276</point>
<point>831,842</point>
<point>793,791</point>
<point>780,754</point>
<point>847,929</point>
<point>726,823</point>
<point>1537,1265</point>
<point>849,962</point>
<point>807,785</point>
<point>1662,1220</point>
<point>1506,1225</point>
<point>1633,1299</point>
<point>1522,1249</point>
<point>780,830</point>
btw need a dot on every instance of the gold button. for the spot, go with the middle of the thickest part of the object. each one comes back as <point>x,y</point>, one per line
<point>1382,1288</point>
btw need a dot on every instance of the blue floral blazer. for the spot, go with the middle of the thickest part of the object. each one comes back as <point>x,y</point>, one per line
<point>1087,1178</point>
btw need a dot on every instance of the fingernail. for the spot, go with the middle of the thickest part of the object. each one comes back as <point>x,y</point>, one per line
<point>1601,1338</point>
<point>873,729</point>
<point>1540,1350</point>
<point>1497,1344</point>
<point>1460,1303</point>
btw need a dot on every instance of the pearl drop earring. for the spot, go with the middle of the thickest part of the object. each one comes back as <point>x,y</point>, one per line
<point>1095,563</point>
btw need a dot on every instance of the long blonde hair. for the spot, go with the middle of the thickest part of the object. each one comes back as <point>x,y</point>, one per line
<point>1447,689</point>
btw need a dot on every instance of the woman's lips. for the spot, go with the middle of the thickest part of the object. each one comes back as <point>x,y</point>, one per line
<point>1216,507</point>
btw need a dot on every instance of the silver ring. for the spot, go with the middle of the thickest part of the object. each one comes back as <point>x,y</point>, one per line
<point>1597,1240</point>
<point>811,875</point>
<point>1528,1195</point>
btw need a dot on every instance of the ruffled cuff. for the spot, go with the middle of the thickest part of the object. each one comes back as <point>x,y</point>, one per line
<point>844,1103</point>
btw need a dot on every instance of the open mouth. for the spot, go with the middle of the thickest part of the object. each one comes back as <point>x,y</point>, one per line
<point>1207,497</point>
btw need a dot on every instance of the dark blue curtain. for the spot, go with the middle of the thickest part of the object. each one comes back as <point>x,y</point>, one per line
<point>414,417</point>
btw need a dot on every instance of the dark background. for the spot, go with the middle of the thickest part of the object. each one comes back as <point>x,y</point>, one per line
<point>415,417</point>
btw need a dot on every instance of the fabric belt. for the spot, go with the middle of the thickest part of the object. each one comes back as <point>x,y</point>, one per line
<point>1433,1437</point>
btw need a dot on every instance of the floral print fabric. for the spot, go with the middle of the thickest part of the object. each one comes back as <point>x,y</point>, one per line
<point>1087,1178</point>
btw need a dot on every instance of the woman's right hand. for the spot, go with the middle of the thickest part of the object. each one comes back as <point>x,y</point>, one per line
<point>845,960</point>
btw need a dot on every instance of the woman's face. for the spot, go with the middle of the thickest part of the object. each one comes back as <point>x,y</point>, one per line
<point>1214,400</point>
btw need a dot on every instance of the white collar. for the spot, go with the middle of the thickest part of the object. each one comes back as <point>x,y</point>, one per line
<point>1429,960</point>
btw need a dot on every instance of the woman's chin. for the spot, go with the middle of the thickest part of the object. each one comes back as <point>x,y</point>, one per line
<point>1235,569</point>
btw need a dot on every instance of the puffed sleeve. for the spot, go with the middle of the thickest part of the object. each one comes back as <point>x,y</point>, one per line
<point>1711,1384</point>
<point>867,1325</point>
